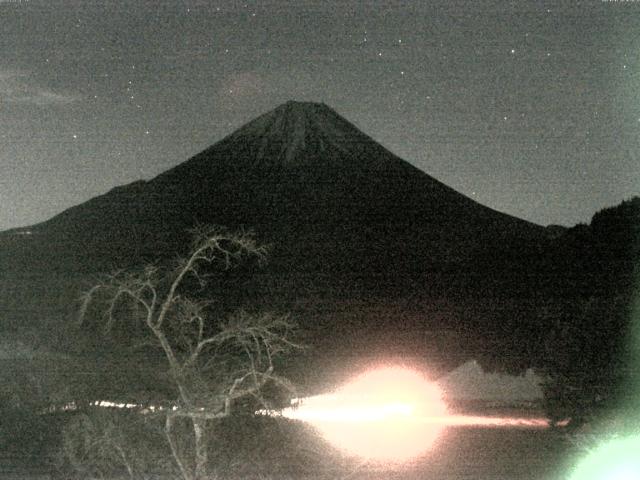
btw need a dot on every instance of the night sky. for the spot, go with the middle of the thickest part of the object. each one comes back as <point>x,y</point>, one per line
<point>530,108</point>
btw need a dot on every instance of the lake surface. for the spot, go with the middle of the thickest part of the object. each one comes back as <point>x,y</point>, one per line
<point>491,454</point>
<point>462,453</point>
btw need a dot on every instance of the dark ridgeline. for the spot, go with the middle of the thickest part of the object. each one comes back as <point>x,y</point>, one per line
<point>370,252</point>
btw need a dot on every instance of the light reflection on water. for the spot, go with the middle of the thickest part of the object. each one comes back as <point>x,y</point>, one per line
<point>460,453</point>
<point>391,414</point>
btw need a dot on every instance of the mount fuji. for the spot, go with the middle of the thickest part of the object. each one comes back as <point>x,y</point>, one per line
<point>327,196</point>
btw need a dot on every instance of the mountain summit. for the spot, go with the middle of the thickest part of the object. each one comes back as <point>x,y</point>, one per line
<point>296,131</point>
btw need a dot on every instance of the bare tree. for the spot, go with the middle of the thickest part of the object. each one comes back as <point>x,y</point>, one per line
<point>212,362</point>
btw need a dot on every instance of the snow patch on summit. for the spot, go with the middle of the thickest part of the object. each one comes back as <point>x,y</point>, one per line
<point>297,136</point>
<point>296,126</point>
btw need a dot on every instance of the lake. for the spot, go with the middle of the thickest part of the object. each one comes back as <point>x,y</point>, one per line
<point>461,453</point>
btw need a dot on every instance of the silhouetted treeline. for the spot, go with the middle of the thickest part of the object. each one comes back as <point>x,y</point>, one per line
<point>591,294</point>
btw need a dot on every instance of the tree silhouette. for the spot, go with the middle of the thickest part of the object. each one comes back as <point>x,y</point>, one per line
<point>213,363</point>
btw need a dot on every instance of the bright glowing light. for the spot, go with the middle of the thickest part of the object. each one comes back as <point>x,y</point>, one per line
<point>389,414</point>
<point>617,459</point>
<point>492,421</point>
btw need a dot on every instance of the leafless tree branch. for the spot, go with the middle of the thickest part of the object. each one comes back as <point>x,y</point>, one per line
<point>212,362</point>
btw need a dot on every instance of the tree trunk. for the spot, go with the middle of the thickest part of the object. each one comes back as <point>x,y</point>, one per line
<point>186,474</point>
<point>201,450</point>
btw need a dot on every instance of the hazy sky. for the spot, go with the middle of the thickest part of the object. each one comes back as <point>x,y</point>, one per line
<point>530,107</point>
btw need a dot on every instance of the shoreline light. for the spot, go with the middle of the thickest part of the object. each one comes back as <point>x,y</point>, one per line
<point>380,415</point>
<point>390,414</point>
